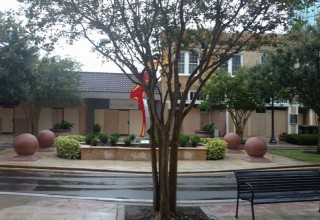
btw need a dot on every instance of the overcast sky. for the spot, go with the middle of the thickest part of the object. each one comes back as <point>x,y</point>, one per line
<point>80,51</point>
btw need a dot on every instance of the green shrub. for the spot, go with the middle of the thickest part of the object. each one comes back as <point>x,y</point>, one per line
<point>67,148</point>
<point>216,149</point>
<point>205,140</point>
<point>96,128</point>
<point>114,139</point>
<point>89,138</point>
<point>183,139</point>
<point>208,127</point>
<point>132,137</point>
<point>116,135</point>
<point>103,138</point>
<point>94,141</point>
<point>127,141</point>
<point>77,137</point>
<point>195,140</point>
<point>302,139</point>
<point>63,125</point>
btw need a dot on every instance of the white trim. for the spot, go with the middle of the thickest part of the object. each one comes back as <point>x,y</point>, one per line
<point>297,112</point>
<point>310,117</point>
<point>227,122</point>
<point>288,121</point>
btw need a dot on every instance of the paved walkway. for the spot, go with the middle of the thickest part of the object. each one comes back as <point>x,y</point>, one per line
<point>36,207</point>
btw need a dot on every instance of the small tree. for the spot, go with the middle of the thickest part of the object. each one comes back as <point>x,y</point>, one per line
<point>52,79</point>
<point>233,94</point>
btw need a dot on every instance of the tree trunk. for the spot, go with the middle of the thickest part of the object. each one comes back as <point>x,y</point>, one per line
<point>318,146</point>
<point>173,169</point>
<point>155,178</point>
<point>164,212</point>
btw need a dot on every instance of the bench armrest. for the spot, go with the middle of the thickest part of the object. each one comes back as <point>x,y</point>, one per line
<point>251,189</point>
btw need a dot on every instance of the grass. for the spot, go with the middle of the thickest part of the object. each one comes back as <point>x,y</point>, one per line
<point>299,155</point>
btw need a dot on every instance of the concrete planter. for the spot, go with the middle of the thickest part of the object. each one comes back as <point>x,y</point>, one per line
<point>61,132</point>
<point>136,153</point>
<point>204,134</point>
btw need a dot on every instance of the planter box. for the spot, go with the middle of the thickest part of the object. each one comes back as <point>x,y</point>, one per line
<point>204,134</point>
<point>136,153</point>
<point>61,132</point>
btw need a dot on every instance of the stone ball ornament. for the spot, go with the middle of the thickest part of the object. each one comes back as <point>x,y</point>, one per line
<point>233,140</point>
<point>255,147</point>
<point>25,144</point>
<point>46,138</point>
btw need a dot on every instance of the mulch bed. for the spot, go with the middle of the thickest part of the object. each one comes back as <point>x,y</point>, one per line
<point>134,212</point>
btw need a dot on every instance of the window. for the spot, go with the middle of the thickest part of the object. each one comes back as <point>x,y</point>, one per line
<point>233,64</point>
<point>201,97</point>
<point>190,96</point>
<point>188,62</point>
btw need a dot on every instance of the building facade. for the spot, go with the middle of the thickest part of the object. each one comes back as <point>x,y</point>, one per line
<point>106,101</point>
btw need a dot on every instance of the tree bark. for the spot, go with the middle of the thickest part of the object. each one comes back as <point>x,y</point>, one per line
<point>318,147</point>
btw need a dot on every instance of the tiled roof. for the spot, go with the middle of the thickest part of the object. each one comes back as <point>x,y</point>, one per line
<point>105,82</point>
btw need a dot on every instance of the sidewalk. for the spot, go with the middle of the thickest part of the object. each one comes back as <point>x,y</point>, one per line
<point>35,207</point>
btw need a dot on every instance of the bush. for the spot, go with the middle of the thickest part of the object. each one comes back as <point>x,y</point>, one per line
<point>302,139</point>
<point>103,138</point>
<point>63,125</point>
<point>67,148</point>
<point>114,139</point>
<point>94,141</point>
<point>208,127</point>
<point>77,137</point>
<point>127,141</point>
<point>89,138</point>
<point>195,140</point>
<point>205,140</point>
<point>132,137</point>
<point>183,139</point>
<point>216,149</point>
<point>96,128</point>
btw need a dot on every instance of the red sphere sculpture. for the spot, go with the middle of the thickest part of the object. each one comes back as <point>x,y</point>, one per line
<point>255,147</point>
<point>46,138</point>
<point>25,144</point>
<point>233,141</point>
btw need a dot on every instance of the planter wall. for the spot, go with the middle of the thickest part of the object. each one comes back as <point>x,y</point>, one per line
<point>136,153</point>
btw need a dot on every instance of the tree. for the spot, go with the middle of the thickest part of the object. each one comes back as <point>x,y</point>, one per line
<point>295,69</point>
<point>27,78</point>
<point>272,80</point>
<point>17,55</point>
<point>308,78</point>
<point>146,36</point>
<point>233,94</point>
<point>52,79</point>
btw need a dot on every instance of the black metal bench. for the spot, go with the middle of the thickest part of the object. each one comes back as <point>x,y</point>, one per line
<point>277,186</point>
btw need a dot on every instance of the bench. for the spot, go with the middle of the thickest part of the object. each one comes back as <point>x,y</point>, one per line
<point>277,186</point>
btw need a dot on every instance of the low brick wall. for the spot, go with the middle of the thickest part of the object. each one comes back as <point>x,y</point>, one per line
<point>136,153</point>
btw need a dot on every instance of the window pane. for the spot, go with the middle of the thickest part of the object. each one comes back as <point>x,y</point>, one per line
<point>193,62</point>
<point>236,63</point>
<point>181,62</point>
<point>225,66</point>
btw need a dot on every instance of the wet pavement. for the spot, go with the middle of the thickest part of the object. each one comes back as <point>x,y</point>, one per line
<point>37,207</point>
